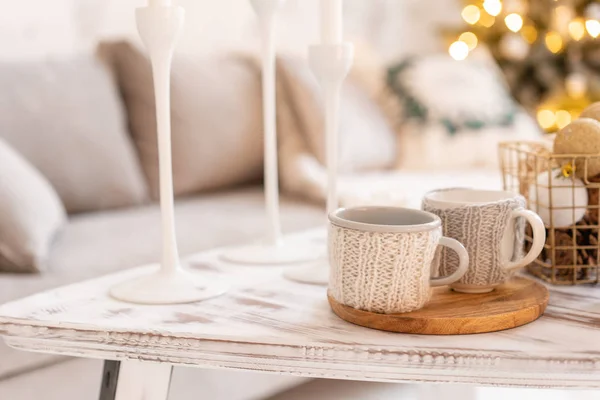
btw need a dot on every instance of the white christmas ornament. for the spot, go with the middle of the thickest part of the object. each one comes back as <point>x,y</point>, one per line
<point>569,198</point>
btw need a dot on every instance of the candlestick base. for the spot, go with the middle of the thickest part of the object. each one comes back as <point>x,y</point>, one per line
<point>317,274</point>
<point>263,254</point>
<point>177,287</point>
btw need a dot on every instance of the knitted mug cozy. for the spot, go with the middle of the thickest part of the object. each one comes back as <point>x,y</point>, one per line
<point>480,228</point>
<point>381,272</point>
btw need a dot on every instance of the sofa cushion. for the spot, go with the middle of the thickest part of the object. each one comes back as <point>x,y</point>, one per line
<point>30,214</point>
<point>366,139</point>
<point>66,118</point>
<point>96,244</point>
<point>216,118</point>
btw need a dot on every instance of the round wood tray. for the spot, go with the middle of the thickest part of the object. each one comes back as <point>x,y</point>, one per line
<point>512,304</point>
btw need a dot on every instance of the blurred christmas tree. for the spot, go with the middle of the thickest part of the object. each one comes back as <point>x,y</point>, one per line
<point>549,51</point>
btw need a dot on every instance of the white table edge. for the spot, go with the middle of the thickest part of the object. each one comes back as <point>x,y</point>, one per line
<point>316,362</point>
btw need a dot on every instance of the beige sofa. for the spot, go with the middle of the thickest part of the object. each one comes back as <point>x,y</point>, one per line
<point>94,244</point>
<point>75,129</point>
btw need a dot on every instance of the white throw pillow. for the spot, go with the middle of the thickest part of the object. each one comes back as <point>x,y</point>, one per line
<point>30,214</point>
<point>453,114</point>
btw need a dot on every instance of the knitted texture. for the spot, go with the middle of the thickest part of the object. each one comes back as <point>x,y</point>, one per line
<point>381,272</point>
<point>480,228</point>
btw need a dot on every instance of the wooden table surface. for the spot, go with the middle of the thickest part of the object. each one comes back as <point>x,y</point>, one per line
<point>266,323</point>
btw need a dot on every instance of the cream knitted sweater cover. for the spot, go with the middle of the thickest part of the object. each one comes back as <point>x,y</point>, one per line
<point>381,272</point>
<point>480,228</point>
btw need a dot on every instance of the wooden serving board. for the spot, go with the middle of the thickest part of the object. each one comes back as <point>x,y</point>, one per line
<point>512,304</point>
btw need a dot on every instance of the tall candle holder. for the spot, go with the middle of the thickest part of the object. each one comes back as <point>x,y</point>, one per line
<point>274,250</point>
<point>159,25</point>
<point>330,63</point>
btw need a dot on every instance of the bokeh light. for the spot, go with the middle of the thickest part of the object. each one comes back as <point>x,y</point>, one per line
<point>577,29</point>
<point>514,22</point>
<point>563,118</point>
<point>459,50</point>
<point>593,27</point>
<point>492,7</point>
<point>529,33</point>
<point>554,42</point>
<point>471,14</point>
<point>469,38</point>
<point>486,20</point>
<point>546,118</point>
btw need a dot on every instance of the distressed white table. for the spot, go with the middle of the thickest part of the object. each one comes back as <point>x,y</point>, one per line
<point>266,323</point>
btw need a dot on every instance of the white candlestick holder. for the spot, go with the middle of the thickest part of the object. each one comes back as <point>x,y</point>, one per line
<point>330,63</point>
<point>159,26</point>
<point>274,250</point>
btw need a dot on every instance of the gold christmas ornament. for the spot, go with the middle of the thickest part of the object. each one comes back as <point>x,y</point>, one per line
<point>580,137</point>
<point>592,111</point>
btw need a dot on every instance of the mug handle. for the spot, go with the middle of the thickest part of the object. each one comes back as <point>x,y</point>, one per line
<point>463,263</point>
<point>539,238</point>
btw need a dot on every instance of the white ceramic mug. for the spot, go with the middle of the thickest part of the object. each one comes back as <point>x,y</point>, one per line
<point>485,221</point>
<point>381,258</point>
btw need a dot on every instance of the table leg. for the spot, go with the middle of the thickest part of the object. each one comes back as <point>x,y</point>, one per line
<point>135,380</point>
<point>429,391</point>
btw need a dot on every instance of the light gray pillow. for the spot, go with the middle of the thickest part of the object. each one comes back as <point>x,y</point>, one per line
<point>66,118</point>
<point>30,214</point>
<point>216,118</point>
<point>366,140</point>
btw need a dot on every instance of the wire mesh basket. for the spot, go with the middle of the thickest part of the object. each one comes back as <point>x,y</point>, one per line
<point>558,188</point>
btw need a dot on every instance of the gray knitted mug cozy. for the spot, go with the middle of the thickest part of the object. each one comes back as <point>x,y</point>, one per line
<point>480,228</point>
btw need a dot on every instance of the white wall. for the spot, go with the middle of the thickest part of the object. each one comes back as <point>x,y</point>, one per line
<point>30,28</point>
